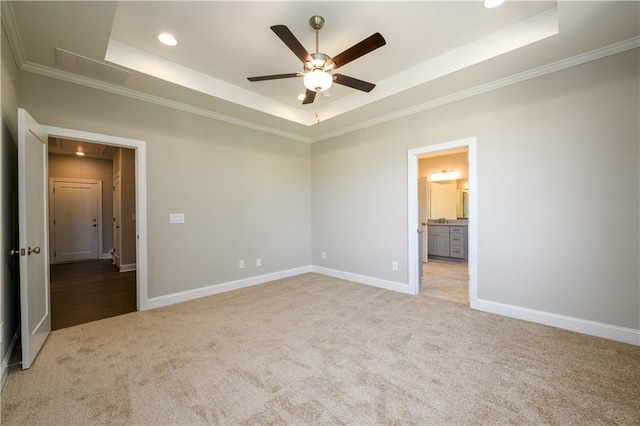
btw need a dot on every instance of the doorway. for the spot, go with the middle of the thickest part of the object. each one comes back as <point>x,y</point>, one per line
<point>415,218</point>
<point>442,178</point>
<point>87,279</point>
<point>135,156</point>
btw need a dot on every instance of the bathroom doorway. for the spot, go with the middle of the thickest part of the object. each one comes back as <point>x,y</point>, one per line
<point>447,259</point>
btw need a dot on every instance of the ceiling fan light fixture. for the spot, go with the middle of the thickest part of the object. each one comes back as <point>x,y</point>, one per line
<point>318,80</point>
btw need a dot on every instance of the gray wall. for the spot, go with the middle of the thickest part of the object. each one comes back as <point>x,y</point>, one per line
<point>68,166</point>
<point>9,301</point>
<point>558,184</point>
<point>245,194</point>
<point>558,187</point>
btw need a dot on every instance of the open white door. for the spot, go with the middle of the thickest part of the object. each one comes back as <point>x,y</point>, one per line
<point>35,306</point>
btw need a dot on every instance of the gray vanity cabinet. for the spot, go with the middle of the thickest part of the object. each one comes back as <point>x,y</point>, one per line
<point>439,240</point>
<point>447,241</point>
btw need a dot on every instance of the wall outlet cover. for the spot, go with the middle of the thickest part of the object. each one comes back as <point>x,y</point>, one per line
<point>176,218</point>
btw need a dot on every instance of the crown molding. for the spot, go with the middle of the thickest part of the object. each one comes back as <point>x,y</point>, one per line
<point>134,94</point>
<point>603,52</point>
<point>15,42</point>
<point>11,27</point>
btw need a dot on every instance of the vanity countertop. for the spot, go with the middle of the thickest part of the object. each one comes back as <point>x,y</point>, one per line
<point>450,223</point>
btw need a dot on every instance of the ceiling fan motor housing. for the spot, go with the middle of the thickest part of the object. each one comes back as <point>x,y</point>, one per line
<point>318,61</point>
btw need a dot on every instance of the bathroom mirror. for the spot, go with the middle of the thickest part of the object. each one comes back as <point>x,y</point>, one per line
<point>449,199</point>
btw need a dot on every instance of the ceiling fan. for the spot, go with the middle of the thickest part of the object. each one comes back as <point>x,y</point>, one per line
<point>317,66</point>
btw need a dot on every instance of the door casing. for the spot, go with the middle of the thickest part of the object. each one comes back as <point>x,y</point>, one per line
<point>412,208</point>
<point>141,195</point>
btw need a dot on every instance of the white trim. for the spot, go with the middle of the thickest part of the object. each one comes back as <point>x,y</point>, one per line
<point>13,35</point>
<point>157,100</point>
<point>412,209</point>
<point>18,52</point>
<point>603,52</point>
<point>362,279</point>
<point>141,195</point>
<point>6,358</point>
<point>106,256</point>
<point>184,296</point>
<point>127,268</point>
<point>592,328</point>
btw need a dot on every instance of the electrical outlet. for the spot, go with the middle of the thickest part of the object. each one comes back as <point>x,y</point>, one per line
<point>324,254</point>
<point>241,264</point>
<point>259,261</point>
<point>394,266</point>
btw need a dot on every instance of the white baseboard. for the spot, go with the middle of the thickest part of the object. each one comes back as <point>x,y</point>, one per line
<point>128,267</point>
<point>106,256</point>
<point>362,279</point>
<point>592,328</point>
<point>6,358</point>
<point>184,296</point>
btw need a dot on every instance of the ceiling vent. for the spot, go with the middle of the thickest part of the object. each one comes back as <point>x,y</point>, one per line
<point>91,68</point>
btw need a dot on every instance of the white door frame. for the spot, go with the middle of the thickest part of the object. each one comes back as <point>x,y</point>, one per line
<point>412,202</point>
<point>141,196</point>
<point>52,182</point>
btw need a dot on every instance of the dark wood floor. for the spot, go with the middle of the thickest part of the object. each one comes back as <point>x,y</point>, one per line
<point>88,291</point>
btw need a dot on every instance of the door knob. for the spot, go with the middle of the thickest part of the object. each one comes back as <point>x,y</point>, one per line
<point>35,250</point>
<point>16,252</point>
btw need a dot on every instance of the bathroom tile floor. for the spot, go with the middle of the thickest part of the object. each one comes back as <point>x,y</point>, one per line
<point>446,280</point>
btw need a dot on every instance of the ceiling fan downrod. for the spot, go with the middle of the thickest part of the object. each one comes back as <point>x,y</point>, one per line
<point>318,60</point>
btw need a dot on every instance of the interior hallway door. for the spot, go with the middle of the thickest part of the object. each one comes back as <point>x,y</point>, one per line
<point>35,305</point>
<point>76,218</point>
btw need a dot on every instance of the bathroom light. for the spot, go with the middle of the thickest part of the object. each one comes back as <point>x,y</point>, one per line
<point>80,153</point>
<point>318,80</point>
<point>444,175</point>
<point>168,39</point>
<point>490,4</point>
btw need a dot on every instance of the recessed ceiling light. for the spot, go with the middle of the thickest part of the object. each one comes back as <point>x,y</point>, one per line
<point>80,153</point>
<point>490,4</point>
<point>168,39</point>
<point>301,97</point>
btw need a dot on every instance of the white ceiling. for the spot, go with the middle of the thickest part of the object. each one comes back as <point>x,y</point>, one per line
<point>435,51</point>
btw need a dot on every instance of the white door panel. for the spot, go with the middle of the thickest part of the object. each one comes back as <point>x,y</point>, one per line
<point>35,305</point>
<point>76,208</point>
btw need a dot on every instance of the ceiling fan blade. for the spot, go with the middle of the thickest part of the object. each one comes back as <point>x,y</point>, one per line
<point>292,42</point>
<point>367,45</point>
<point>354,83</point>
<point>275,76</point>
<point>309,97</point>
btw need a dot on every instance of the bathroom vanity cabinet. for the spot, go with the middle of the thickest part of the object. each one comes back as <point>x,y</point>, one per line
<point>447,240</point>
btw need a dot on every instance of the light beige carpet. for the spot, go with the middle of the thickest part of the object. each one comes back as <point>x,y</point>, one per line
<point>317,350</point>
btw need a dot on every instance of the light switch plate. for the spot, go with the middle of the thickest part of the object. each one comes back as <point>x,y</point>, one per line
<point>176,218</point>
